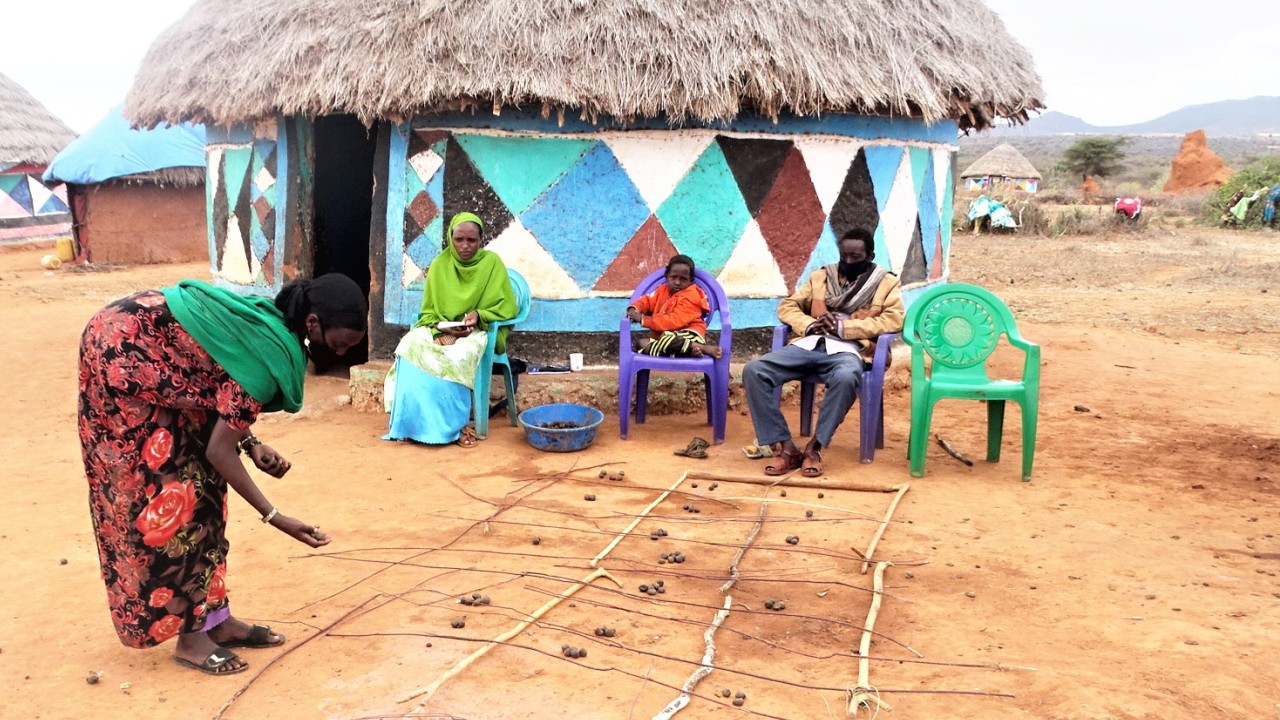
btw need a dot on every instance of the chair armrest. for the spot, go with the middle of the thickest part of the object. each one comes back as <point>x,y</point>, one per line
<point>882,352</point>
<point>780,336</point>
<point>624,339</point>
<point>1033,356</point>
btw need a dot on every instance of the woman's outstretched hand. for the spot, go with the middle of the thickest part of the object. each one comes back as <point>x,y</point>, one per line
<point>300,531</point>
<point>269,461</point>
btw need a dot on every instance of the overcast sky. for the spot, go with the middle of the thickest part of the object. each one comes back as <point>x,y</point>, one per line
<point>1109,62</point>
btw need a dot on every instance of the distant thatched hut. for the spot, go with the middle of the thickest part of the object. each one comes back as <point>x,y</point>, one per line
<point>1003,167</point>
<point>29,138</point>
<point>596,139</point>
<point>137,196</point>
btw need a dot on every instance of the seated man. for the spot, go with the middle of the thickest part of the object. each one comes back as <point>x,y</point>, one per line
<point>836,315</point>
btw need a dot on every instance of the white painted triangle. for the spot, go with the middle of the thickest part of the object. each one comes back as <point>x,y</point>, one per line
<point>211,183</point>
<point>61,193</point>
<point>39,194</point>
<point>522,252</point>
<point>899,216</point>
<point>425,165</point>
<point>941,166</point>
<point>828,160</point>
<point>234,265</point>
<point>264,180</point>
<point>656,160</point>
<point>9,208</point>
<point>410,272</point>
<point>751,270</point>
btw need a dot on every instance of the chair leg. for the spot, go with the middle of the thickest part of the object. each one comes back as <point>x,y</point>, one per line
<point>480,400</point>
<point>921,417</point>
<point>995,429</point>
<point>706,390</point>
<point>626,381</point>
<point>508,377</point>
<point>642,395</point>
<point>1030,411</point>
<point>866,424</point>
<point>880,422</point>
<point>807,391</point>
<point>720,418</point>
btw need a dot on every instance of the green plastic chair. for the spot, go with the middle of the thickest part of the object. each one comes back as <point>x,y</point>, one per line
<point>958,326</point>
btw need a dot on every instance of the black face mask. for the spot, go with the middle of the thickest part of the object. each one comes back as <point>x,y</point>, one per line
<point>851,271</point>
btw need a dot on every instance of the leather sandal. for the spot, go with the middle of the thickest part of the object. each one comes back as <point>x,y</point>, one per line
<point>784,461</point>
<point>697,448</point>
<point>467,439</point>
<point>215,663</point>
<point>812,465</point>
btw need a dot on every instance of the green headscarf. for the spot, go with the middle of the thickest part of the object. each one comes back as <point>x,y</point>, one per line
<point>455,288</point>
<point>247,337</point>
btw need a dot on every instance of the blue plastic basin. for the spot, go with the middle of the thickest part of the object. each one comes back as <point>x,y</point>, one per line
<point>536,419</point>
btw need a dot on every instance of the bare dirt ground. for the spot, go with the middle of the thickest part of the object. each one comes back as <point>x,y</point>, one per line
<point>1137,573</point>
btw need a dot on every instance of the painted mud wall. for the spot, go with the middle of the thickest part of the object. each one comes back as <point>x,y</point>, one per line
<point>140,223</point>
<point>29,209</point>
<point>986,184</point>
<point>245,220</point>
<point>584,213</point>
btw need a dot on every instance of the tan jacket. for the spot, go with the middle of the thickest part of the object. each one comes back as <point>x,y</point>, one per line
<point>884,314</point>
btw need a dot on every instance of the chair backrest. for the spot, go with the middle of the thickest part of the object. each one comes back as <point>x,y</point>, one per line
<point>523,296</point>
<point>716,298</point>
<point>958,325</point>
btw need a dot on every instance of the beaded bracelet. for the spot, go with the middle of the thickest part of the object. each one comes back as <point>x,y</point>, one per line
<point>248,443</point>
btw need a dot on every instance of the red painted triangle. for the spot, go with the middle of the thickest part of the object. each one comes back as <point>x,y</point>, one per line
<point>648,250</point>
<point>935,272</point>
<point>791,218</point>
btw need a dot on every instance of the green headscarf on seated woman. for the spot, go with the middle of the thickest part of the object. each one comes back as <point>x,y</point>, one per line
<point>455,288</point>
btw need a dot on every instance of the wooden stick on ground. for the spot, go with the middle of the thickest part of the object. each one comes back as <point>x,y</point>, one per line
<point>532,618</point>
<point>863,695</point>
<point>751,538</point>
<point>644,513</point>
<point>867,556</point>
<point>708,664</point>
<point>790,482</point>
<point>952,451</point>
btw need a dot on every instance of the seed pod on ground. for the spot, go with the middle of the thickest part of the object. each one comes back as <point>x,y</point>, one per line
<point>582,652</point>
<point>783,493</point>
<point>644,588</point>
<point>467,601</point>
<point>768,604</point>
<point>604,473</point>
<point>653,591</point>
<point>726,692</point>
<point>739,702</point>
<point>697,510</point>
<point>821,495</point>
<point>485,600</point>
<point>713,486</point>
<point>793,540</point>
<point>564,647</point>
<point>536,540</point>
<point>808,513</point>
<point>695,485</point>
<point>622,473</point>
<point>599,632</point>
<point>610,632</point>
<point>475,596</point>
<point>661,590</point>
<point>660,583</point>
<point>740,694</point>
<point>779,605</point>
<point>589,497</point>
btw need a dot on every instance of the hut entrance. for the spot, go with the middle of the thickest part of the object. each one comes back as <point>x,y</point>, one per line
<point>343,202</point>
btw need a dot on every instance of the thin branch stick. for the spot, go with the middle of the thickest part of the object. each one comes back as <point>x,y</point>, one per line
<point>863,695</point>
<point>708,664</point>
<point>531,619</point>
<point>218,715</point>
<point>609,548</point>
<point>798,503</point>
<point>800,483</point>
<point>866,557</point>
<point>952,451</point>
<point>751,538</point>
<point>645,684</point>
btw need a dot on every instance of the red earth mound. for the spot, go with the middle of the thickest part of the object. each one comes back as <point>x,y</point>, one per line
<point>1196,168</point>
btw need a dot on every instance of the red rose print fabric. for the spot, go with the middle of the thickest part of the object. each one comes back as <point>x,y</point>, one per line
<point>149,395</point>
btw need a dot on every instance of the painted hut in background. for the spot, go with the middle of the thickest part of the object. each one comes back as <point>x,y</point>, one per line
<point>1001,168</point>
<point>30,136</point>
<point>137,196</point>
<point>595,139</point>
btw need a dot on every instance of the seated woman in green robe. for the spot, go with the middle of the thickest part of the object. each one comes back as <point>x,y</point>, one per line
<point>429,388</point>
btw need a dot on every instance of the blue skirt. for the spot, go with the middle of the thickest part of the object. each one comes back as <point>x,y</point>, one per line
<point>426,408</point>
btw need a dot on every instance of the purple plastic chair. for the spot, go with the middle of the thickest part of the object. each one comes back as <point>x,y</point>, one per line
<point>870,396</point>
<point>633,367</point>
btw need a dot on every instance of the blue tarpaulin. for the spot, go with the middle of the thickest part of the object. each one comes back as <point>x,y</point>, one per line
<point>112,149</point>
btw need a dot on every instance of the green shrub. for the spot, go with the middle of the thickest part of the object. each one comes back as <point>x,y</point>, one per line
<point>1264,172</point>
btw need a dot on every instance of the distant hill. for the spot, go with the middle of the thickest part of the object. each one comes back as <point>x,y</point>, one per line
<point>1226,118</point>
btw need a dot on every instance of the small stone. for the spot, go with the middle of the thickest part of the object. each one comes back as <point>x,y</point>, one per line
<point>536,540</point>
<point>661,590</point>
<point>582,652</point>
<point>726,692</point>
<point>92,678</point>
<point>910,575</point>
<point>697,510</point>
<point>808,513</point>
<point>467,601</point>
<point>971,594</point>
<point>741,695</point>
<point>456,624</point>
<point>63,561</point>
<point>1198,486</point>
<point>622,474</point>
<point>661,561</point>
<point>1190,642</point>
<point>475,596</point>
<point>1081,408</point>
<point>610,632</point>
<point>569,652</point>
<point>653,591</point>
<point>644,588</point>
<point>793,540</point>
<point>660,583</point>
<point>604,473</point>
<point>589,497</point>
<point>428,644</point>
<point>780,605</point>
<point>695,485</point>
<point>713,486</point>
<point>564,647</point>
<point>821,495</point>
<point>739,702</point>
<point>782,493</point>
<point>484,600</point>
<point>768,604</point>
<point>599,632</point>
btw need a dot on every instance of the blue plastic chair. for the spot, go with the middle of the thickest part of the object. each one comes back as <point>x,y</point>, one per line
<point>958,326</point>
<point>633,367</point>
<point>484,373</point>
<point>870,396</point>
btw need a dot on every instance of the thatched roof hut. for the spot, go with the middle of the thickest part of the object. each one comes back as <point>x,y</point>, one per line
<point>1003,160</point>
<point>29,133</point>
<point>235,61</point>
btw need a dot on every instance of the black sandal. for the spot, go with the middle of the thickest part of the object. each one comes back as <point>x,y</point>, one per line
<point>697,448</point>
<point>790,461</point>
<point>259,637</point>
<point>215,663</point>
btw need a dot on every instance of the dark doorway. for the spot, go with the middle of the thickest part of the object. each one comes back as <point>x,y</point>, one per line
<point>343,202</point>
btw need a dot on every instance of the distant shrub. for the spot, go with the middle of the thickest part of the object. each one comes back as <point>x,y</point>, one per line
<point>1258,174</point>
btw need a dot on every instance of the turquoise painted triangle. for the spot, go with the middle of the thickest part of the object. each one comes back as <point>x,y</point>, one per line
<point>882,251</point>
<point>435,187</point>
<point>921,158</point>
<point>705,214</point>
<point>434,233</point>
<point>882,163</point>
<point>9,182</point>
<point>53,205</point>
<point>519,169</point>
<point>948,213</point>
<point>235,165</point>
<point>439,147</point>
<point>412,185</point>
<point>827,251</point>
<point>928,213</point>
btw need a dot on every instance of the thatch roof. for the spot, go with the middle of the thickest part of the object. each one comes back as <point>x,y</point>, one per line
<point>231,61</point>
<point>165,177</point>
<point>29,133</point>
<point>1004,160</point>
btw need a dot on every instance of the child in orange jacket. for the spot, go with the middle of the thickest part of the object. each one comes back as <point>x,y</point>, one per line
<point>676,315</point>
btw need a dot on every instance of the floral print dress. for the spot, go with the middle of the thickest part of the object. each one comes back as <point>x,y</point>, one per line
<point>149,397</point>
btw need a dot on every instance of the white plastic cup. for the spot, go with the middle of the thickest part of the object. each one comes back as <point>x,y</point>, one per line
<point>575,362</point>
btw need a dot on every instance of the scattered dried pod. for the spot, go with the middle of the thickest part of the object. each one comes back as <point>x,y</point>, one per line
<point>644,588</point>
<point>739,702</point>
<point>726,692</point>
<point>610,632</point>
<point>780,605</point>
<point>768,604</point>
<point>456,624</point>
<point>536,540</point>
<point>589,497</point>
<point>808,513</point>
<point>604,473</point>
<point>821,495</point>
<point>741,695</point>
<point>793,540</point>
<point>695,486</point>
<point>783,493</point>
